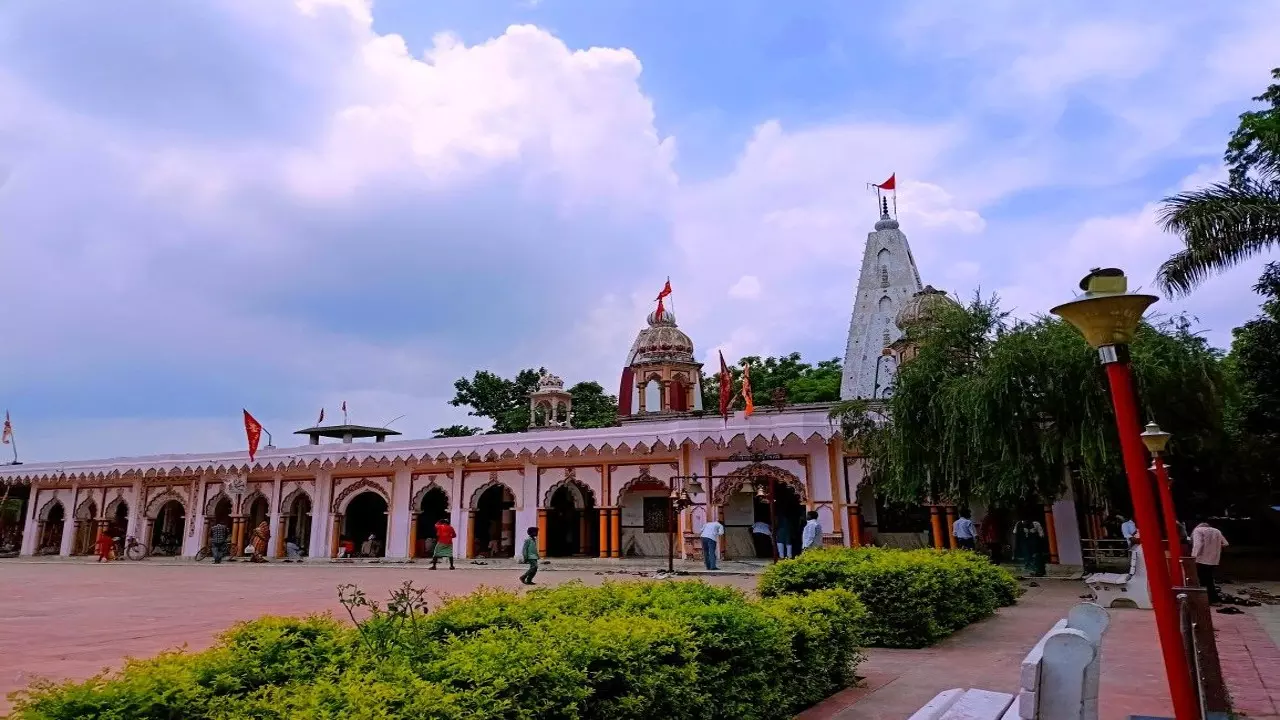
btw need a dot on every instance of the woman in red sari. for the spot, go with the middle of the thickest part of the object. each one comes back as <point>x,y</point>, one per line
<point>105,545</point>
<point>260,536</point>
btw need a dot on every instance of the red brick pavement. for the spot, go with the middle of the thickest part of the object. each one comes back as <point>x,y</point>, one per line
<point>1250,665</point>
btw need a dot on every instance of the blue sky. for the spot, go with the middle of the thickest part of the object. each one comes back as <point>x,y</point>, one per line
<point>284,204</point>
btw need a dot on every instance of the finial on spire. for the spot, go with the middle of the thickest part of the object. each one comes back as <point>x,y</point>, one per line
<point>884,208</point>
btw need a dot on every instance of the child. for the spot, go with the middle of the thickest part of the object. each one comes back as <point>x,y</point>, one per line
<point>530,555</point>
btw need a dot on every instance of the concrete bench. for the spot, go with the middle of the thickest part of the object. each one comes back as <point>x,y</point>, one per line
<point>1122,589</point>
<point>1058,681</point>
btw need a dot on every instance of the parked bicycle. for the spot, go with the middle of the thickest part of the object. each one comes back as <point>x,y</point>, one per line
<point>132,549</point>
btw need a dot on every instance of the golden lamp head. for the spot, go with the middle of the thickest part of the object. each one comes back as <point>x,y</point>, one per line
<point>1154,438</point>
<point>1107,314</point>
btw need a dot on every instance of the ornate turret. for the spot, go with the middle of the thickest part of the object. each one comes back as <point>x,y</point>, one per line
<point>550,406</point>
<point>661,374</point>
<point>919,311</point>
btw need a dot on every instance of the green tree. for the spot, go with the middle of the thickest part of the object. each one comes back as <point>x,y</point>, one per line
<point>803,383</point>
<point>505,401</point>
<point>1225,223</point>
<point>1253,413</point>
<point>454,431</point>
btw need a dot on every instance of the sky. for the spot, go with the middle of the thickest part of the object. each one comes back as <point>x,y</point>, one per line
<point>282,205</point>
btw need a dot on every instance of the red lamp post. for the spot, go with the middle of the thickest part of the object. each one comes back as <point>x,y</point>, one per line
<point>1156,439</point>
<point>1107,315</point>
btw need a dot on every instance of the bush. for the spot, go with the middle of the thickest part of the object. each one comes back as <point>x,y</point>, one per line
<point>619,651</point>
<point>913,598</point>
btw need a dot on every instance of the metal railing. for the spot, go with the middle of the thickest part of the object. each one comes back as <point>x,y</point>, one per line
<point>1105,554</point>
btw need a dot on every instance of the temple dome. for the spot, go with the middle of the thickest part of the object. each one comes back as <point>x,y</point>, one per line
<point>922,306</point>
<point>662,341</point>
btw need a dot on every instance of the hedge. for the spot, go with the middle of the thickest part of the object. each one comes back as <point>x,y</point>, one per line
<point>623,650</point>
<point>913,598</point>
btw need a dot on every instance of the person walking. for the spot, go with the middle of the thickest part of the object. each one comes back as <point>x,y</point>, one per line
<point>219,542</point>
<point>1128,528</point>
<point>811,539</point>
<point>964,531</point>
<point>529,554</point>
<point>711,532</point>
<point>444,543</point>
<point>1207,542</point>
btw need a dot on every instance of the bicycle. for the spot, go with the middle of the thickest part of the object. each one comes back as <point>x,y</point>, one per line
<point>203,553</point>
<point>133,550</point>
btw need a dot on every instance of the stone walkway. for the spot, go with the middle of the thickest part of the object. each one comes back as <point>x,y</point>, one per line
<point>1247,649</point>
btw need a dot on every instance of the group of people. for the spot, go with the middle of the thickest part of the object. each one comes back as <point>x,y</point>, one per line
<point>1030,542</point>
<point>1204,544</point>
<point>810,538</point>
<point>220,543</point>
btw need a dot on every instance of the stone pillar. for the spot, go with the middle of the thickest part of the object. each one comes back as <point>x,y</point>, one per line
<point>69,525</point>
<point>335,524</point>
<point>1051,533</point>
<point>412,550</point>
<point>952,542</point>
<point>321,540</point>
<point>237,535</point>
<point>398,515</point>
<point>278,540</point>
<point>136,511</point>
<point>471,532</point>
<point>855,525</point>
<point>30,526</point>
<point>509,531</point>
<point>605,532</point>
<point>615,533</point>
<point>196,523</point>
<point>542,532</point>
<point>275,519</point>
<point>461,515</point>
<point>935,522</point>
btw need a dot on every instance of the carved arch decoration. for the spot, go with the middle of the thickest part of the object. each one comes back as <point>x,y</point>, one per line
<point>211,505</point>
<point>415,502</point>
<point>340,502</point>
<point>492,483</point>
<point>47,508</point>
<point>87,510</point>
<point>109,512</point>
<point>643,478</point>
<point>734,481</point>
<point>159,501</point>
<point>250,498</point>
<point>588,496</point>
<point>286,505</point>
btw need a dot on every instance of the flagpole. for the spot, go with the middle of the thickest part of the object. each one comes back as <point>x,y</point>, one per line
<point>672,296</point>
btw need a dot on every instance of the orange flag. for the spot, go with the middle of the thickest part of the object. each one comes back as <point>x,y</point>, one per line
<point>252,431</point>
<point>746,391</point>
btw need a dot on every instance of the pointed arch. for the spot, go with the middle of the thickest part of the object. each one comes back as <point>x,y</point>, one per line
<point>48,508</point>
<point>109,511</point>
<point>286,505</point>
<point>734,481</point>
<point>416,501</point>
<point>250,498</point>
<point>211,505</point>
<point>643,481</point>
<point>340,502</point>
<point>153,507</point>
<point>87,510</point>
<point>480,491</point>
<point>588,496</point>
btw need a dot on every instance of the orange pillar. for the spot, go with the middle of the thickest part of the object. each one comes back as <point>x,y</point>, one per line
<point>604,532</point>
<point>334,534</point>
<point>935,522</point>
<point>855,525</point>
<point>470,550</point>
<point>413,535</point>
<point>952,542</point>
<point>615,533</point>
<point>1052,533</point>
<point>542,532</point>
<point>237,536</point>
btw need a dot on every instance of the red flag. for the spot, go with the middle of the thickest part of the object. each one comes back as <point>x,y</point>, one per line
<point>746,391</point>
<point>252,431</point>
<point>321,417</point>
<point>666,290</point>
<point>890,184</point>
<point>726,388</point>
<point>6,435</point>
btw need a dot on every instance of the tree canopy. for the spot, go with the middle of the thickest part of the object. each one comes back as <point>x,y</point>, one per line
<point>803,383</point>
<point>505,402</point>
<point>1253,413</point>
<point>992,409</point>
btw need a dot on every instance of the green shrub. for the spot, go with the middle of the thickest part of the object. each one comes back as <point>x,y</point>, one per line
<point>912,598</point>
<point>620,651</point>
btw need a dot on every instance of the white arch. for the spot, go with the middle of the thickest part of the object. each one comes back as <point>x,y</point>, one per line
<point>211,506</point>
<point>480,491</point>
<point>48,508</point>
<point>286,505</point>
<point>415,503</point>
<point>159,501</point>
<point>88,510</point>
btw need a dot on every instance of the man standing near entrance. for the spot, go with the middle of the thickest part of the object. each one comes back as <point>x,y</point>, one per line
<point>529,554</point>
<point>711,532</point>
<point>1206,547</point>
<point>218,540</point>
<point>964,531</point>
<point>444,543</point>
<point>812,537</point>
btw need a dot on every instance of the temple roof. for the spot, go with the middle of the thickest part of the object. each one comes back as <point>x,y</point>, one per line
<point>662,341</point>
<point>340,431</point>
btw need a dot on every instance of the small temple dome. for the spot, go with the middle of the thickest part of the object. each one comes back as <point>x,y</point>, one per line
<point>548,381</point>
<point>662,341</point>
<point>920,307</point>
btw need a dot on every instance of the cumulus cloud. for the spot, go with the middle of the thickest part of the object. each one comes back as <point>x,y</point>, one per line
<point>747,287</point>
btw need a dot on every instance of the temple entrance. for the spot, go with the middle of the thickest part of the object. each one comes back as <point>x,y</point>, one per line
<point>167,529</point>
<point>573,527</point>
<point>432,509</point>
<point>905,526</point>
<point>13,508</point>
<point>86,529</point>
<point>118,524</point>
<point>493,522</point>
<point>51,530</point>
<point>785,518</point>
<point>259,512</point>
<point>297,522</point>
<point>365,518</point>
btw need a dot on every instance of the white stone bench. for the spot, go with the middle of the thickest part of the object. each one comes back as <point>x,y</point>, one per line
<point>1122,589</point>
<point>1059,678</point>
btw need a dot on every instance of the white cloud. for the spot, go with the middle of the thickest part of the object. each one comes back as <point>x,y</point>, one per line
<point>747,287</point>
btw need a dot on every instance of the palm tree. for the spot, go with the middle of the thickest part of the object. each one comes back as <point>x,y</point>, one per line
<point>1226,223</point>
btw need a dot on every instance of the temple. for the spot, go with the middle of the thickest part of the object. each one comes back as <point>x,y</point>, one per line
<point>601,492</point>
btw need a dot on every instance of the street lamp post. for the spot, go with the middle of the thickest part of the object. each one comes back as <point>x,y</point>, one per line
<point>1107,316</point>
<point>678,500</point>
<point>1156,439</point>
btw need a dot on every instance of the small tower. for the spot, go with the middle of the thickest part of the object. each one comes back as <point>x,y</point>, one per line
<point>661,374</point>
<point>550,406</point>
<point>888,279</point>
<point>918,312</point>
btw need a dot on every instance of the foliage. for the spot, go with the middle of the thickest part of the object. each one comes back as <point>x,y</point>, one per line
<point>622,650</point>
<point>994,410</point>
<point>1225,223</point>
<point>505,402</point>
<point>803,383</point>
<point>455,431</point>
<point>913,598</point>
<point>1254,411</point>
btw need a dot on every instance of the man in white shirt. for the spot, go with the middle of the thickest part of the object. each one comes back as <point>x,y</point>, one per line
<point>1128,529</point>
<point>1206,547</point>
<point>964,531</point>
<point>762,535</point>
<point>812,536</point>
<point>711,532</point>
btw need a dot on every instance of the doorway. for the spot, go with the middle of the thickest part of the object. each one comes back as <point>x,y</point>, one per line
<point>167,529</point>
<point>785,519</point>
<point>433,508</point>
<point>493,523</point>
<point>573,527</point>
<point>366,518</point>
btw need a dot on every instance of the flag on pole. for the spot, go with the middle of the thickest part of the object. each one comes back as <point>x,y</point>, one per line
<point>666,291</point>
<point>750,406</point>
<point>253,432</point>
<point>726,388</point>
<point>6,435</point>
<point>321,417</point>
<point>890,184</point>
<point>882,204</point>
<point>344,412</point>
